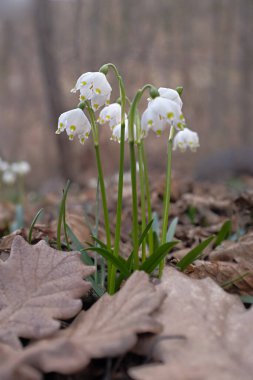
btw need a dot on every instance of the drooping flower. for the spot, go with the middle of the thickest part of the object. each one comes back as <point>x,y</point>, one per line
<point>9,177</point>
<point>116,131</point>
<point>186,139</point>
<point>3,165</point>
<point>21,168</point>
<point>95,87</point>
<point>160,113</point>
<point>110,115</point>
<point>169,93</point>
<point>75,123</point>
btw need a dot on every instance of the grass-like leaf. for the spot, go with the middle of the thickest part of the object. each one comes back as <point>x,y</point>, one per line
<point>224,233</point>
<point>99,242</point>
<point>118,262</point>
<point>153,261</point>
<point>33,224</point>
<point>61,218</point>
<point>171,230</point>
<point>194,254</point>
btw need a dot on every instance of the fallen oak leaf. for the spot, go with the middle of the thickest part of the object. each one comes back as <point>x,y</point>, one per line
<point>109,328</point>
<point>217,329</point>
<point>38,287</point>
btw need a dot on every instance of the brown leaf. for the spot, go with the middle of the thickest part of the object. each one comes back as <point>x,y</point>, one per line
<point>235,278</point>
<point>215,329</point>
<point>39,286</point>
<point>109,328</point>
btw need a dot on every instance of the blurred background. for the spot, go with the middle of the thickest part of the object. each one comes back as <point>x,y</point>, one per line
<point>203,45</point>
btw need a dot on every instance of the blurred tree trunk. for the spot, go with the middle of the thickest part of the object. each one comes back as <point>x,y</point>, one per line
<point>43,25</point>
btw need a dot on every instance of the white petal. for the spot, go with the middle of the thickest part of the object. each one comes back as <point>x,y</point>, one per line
<point>101,85</point>
<point>170,94</point>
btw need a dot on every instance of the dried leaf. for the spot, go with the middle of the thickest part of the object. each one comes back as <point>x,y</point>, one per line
<point>215,329</point>
<point>39,286</point>
<point>109,328</point>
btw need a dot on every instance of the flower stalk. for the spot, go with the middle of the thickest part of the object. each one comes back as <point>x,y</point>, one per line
<point>166,206</point>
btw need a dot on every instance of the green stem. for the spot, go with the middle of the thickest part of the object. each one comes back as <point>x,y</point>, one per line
<point>143,208</point>
<point>111,268</point>
<point>132,114</point>
<point>100,175</point>
<point>167,196</point>
<point>148,197</point>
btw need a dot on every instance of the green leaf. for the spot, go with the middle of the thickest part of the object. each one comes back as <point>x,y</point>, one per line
<point>77,245</point>
<point>102,245</point>
<point>194,254</point>
<point>145,232</point>
<point>153,261</point>
<point>33,224</point>
<point>224,232</point>
<point>118,262</point>
<point>61,217</point>
<point>171,230</point>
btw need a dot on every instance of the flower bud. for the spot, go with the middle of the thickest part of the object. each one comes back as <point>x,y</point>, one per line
<point>154,92</point>
<point>104,69</point>
<point>180,90</point>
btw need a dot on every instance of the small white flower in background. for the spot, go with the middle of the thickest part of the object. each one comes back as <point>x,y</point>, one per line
<point>21,168</point>
<point>75,123</point>
<point>186,139</point>
<point>95,87</point>
<point>117,131</point>
<point>3,165</point>
<point>160,113</point>
<point>170,94</point>
<point>9,177</point>
<point>110,115</point>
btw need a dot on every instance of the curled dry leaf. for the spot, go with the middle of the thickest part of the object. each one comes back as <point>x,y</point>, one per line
<point>39,286</point>
<point>207,334</point>
<point>233,277</point>
<point>109,328</point>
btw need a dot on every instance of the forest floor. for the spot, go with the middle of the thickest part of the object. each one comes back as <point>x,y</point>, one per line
<point>176,328</point>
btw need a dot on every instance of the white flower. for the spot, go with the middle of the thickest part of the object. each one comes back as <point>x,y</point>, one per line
<point>111,115</point>
<point>9,177</point>
<point>162,112</point>
<point>170,94</point>
<point>75,123</point>
<point>3,165</point>
<point>95,87</point>
<point>117,131</point>
<point>21,168</point>
<point>186,139</point>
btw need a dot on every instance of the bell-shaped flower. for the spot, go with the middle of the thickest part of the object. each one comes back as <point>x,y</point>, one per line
<point>116,132</point>
<point>169,93</point>
<point>9,177</point>
<point>160,113</point>
<point>95,87</point>
<point>3,165</point>
<point>21,168</point>
<point>186,139</point>
<point>75,123</point>
<point>110,115</point>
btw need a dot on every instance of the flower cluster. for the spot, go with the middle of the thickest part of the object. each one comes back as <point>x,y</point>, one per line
<point>10,171</point>
<point>163,111</point>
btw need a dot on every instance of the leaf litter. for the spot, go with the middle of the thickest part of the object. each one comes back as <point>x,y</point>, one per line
<point>207,333</point>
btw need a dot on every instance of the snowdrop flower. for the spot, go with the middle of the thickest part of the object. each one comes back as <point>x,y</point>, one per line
<point>162,112</point>
<point>111,115</point>
<point>3,165</point>
<point>169,93</point>
<point>95,87</point>
<point>9,177</point>
<point>186,139</point>
<point>21,168</point>
<point>117,131</point>
<point>75,123</point>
